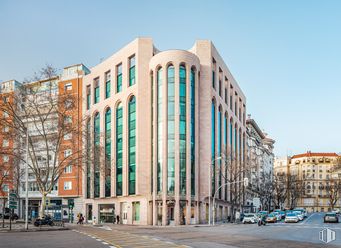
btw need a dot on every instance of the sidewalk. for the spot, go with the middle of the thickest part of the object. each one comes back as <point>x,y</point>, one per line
<point>20,227</point>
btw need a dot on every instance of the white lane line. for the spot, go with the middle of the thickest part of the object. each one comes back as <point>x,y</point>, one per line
<point>104,243</point>
<point>99,240</point>
<point>307,219</point>
<point>112,246</point>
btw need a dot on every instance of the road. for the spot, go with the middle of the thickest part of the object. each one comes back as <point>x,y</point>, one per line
<point>50,239</point>
<point>298,235</point>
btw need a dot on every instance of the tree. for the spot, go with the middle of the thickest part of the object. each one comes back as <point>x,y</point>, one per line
<point>43,115</point>
<point>279,189</point>
<point>266,190</point>
<point>333,190</point>
<point>295,190</point>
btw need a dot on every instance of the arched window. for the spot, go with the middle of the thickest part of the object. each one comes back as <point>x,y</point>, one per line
<point>132,145</point>
<point>108,153</point>
<point>159,130</point>
<point>219,147</point>
<point>182,128</point>
<point>213,133</point>
<point>96,155</point>
<point>192,131</point>
<point>88,155</point>
<point>170,128</point>
<point>119,149</point>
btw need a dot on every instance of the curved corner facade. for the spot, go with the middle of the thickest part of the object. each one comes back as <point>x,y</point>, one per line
<point>156,121</point>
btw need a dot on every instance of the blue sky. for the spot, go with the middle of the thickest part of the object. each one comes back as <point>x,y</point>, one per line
<point>285,55</point>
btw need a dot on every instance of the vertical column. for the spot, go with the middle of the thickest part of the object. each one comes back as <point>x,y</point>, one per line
<point>164,146</point>
<point>188,144</point>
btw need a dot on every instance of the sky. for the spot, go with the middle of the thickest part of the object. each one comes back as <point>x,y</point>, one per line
<point>285,55</point>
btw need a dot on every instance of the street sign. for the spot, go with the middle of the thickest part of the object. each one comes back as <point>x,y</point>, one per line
<point>256,202</point>
<point>12,200</point>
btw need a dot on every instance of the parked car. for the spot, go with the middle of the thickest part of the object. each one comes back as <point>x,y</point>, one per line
<point>303,211</point>
<point>271,218</point>
<point>278,215</point>
<point>8,214</point>
<point>331,218</point>
<point>250,218</point>
<point>299,215</point>
<point>45,220</point>
<point>291,217</point>
<point>337,211</point>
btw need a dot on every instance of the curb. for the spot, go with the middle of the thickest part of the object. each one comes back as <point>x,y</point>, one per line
<point>34,230</point>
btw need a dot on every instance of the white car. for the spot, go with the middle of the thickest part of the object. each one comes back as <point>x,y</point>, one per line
<point>291,217</point>
<point>299,215</point>
<point>250,218</point>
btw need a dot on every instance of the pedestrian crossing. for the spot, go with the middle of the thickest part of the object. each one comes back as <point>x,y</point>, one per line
<point>121,239</point>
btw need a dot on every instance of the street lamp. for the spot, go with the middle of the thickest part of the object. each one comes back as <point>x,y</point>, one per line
<point>209,187</point>
<point>245,181</point>
<point>26,183</point>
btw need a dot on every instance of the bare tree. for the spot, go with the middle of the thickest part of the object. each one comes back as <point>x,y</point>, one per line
<point>295,190</point>
<point>279,189</point>
<point>333,190</point>
<point>46,118</point>
<point>266,190</point>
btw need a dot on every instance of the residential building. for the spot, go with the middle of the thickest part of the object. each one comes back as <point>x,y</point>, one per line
<point>68,189</point>
<point>260,159</point>
<point>313,173</point>
<point>164,119</point>
<point>7,162</point>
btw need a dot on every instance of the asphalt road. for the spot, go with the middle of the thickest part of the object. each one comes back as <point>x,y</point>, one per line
<point>304,234</point>
<point>49,239</point>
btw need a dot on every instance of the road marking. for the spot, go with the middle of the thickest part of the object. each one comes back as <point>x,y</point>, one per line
<point>307,219</point>
<point>104,243</point>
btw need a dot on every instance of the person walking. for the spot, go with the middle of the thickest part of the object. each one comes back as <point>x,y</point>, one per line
<point>118,219</point>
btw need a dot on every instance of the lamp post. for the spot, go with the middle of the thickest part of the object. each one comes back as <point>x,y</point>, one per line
<point>26,182</point>
<point>210,172</point>
<point>246,182</point>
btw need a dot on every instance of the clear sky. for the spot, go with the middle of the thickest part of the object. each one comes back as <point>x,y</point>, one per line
<point>285,55</point>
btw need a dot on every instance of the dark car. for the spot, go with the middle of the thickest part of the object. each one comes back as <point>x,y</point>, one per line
<point>45,220</point>
<point>8,214</point>
<point>331,218</point>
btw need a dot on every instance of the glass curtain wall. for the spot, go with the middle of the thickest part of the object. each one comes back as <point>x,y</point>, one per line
<point>132,146</point>
<point>170,128</point>
<point>159,130</point>
<point>96,155</point>
<point>108,153</point>
<point>182,128</point>
<point>119,149</point>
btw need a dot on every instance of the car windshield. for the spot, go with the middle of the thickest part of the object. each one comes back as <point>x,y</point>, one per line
<point>291,215</point>
<point>271,215</point>
<point>330,214</point>
<point>249,215</point>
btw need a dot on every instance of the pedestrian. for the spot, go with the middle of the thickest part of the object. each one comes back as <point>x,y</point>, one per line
<point>118,219</point>
<point>114,219</point>
<point>79,216</point>
<point>81,219</point>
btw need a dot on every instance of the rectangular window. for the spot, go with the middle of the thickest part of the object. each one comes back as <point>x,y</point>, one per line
<point>132,70</point>
<point>5,143</point>
<point>5,114</point>
<point>6,129</point>
<point>107,84</point>
<point>67,119</point>
<point>5,158</point>
<point>5,188</point>
<point>68,169</point>
<point>226,96</point>
<point>67,153</point>
<point>88,97</point>
<point>67,185</point>
<point>68,86</point>
<point>67,136</point>
<point>96,90</point>
<point>119,78</point>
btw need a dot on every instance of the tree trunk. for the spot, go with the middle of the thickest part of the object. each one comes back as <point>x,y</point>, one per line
<point>3,213</point>
<point>42,205</point>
